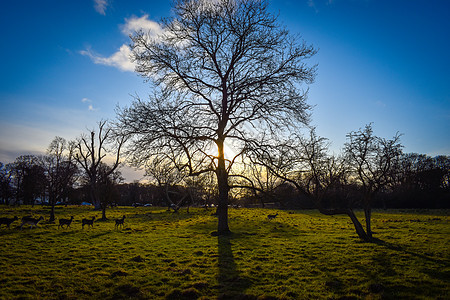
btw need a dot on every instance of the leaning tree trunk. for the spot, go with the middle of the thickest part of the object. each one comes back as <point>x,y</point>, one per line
<point>222,179</point>
<point>349,212</point>
<point>358,227</point>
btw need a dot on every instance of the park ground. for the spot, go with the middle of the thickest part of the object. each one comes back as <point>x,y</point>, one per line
<point>162,255</point>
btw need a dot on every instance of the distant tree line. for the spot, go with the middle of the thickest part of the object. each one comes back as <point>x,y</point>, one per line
<point>413,181</point>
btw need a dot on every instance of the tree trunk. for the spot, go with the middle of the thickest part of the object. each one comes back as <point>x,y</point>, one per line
<point>104,212</point>
<point>52,214</point>
<point>222,179</point>
<point>94,196</point>
<point>359,228</point>
<point>349,212</point>
<point>368,214</point>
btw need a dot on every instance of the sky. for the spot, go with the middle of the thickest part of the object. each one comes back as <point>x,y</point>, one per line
<point>64,67</point>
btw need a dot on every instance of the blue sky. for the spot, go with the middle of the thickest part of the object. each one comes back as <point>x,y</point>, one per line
<point>63,67</point>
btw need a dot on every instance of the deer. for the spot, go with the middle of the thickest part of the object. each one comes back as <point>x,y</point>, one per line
<point>66,222</point>
<point>271,217</point>
<point>30,221</point>
<point>87,222</point>
<point>7,221</point>
<point>120,222</point>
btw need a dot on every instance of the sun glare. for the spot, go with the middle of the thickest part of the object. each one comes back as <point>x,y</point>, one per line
<point>228,151</point>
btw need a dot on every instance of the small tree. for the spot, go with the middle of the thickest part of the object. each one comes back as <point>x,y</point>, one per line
<point>225,73</point>
<point>305,163</point>
<point>372,161</point>
<point>170,181</point>
<point>61,170</point>
<point>91,154</point>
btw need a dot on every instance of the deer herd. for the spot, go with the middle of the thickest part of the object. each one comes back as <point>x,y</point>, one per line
<point>28,220</point>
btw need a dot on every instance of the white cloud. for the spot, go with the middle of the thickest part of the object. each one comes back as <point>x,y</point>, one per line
<point>122,58</point>
<point>143,23</point>
<point>90,106</point>
<point>100,6</point>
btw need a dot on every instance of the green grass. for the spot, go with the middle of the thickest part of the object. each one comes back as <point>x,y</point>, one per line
<point>299,255</point>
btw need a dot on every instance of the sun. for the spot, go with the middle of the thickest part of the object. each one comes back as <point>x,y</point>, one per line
<point>228,150</point>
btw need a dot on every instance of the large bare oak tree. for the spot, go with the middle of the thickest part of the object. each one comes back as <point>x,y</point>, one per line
<point>224,74</point>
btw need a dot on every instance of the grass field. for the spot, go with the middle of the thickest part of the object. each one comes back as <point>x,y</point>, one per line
<point>158,254</point>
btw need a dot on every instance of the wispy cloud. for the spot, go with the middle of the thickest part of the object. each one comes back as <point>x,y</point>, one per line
<point>90,106</point>
<point>100,6</point>
<point>121,59</point>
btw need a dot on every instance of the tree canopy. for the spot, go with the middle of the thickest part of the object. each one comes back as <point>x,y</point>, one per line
<point>224,74</point>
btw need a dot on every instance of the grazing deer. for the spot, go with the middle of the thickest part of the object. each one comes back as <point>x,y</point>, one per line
<point>87,222</point>
<point>66,222</point>
<point>271,217</point>
<point>120,222</point>
<point>30,221</point>
<point>7,221</point>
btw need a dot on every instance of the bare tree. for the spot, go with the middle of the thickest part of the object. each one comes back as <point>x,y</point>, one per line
<point>319,176</point>
<point>60,169</point>
<point>225,74</point>
<point>169,179</point>
<point>107,182</point>
<point>372,160</point>
<point>91,152</point>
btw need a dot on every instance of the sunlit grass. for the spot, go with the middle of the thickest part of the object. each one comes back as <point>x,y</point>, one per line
<point>158,254</point>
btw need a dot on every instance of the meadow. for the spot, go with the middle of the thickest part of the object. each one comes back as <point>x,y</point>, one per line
<point>162,255</point>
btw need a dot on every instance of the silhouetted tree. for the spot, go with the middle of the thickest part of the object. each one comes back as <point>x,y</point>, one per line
<point>305,163</point>
<point>6,189</point>
<point>28,179</point>
<point>90,152</point>
<point>336,184</point>
<point>61,170</point>
<point>107,182</point>
<point>225,73</point>
<point>372,162</point>
<point>170,180</point>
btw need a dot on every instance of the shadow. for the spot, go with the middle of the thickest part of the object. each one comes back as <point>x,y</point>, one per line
<point>231,285</point>
<point>66,233</point>
<point>401,249</point>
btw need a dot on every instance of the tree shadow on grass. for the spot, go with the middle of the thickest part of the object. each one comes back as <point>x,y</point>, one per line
<point>66,232</point>
<point>400,248</point>
<point>231,284</point>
